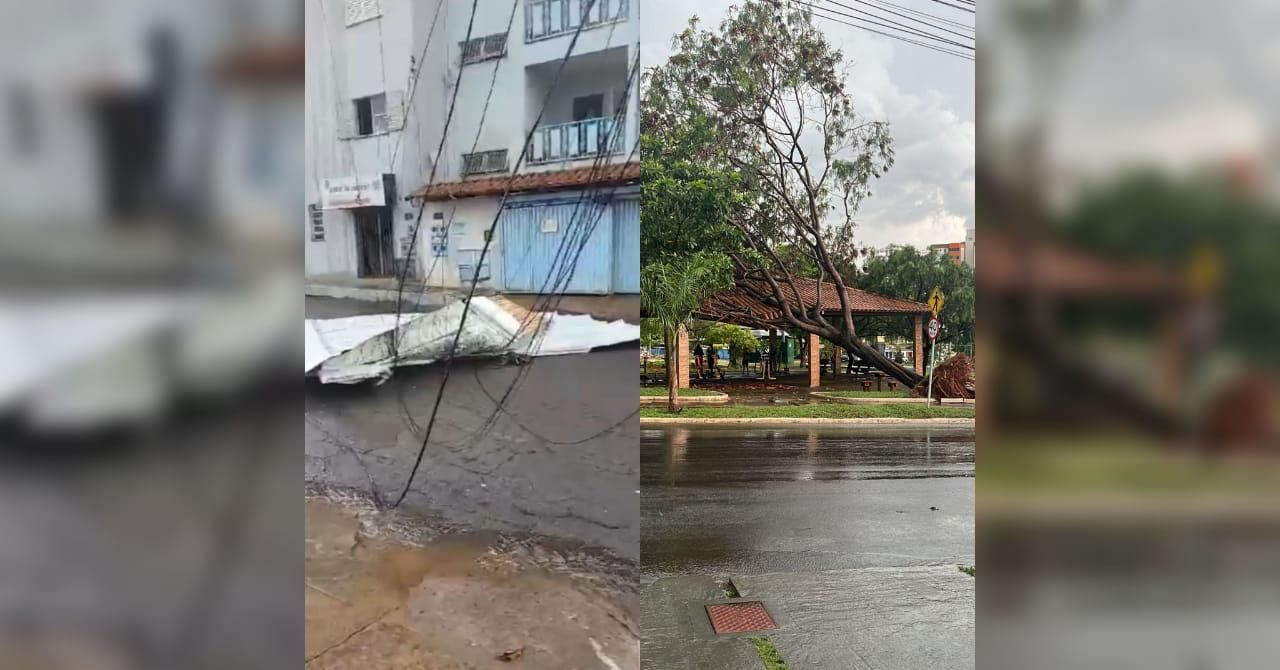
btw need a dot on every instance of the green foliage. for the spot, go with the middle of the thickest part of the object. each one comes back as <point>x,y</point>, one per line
<point>768,653</point>
<point>685,206</point>
<point>969,570</point>
<point>910,274</point>
<point>903,410</point>
<point>670,290</point>
<point>763,96</point>
<point>1158,220</point>
<point>650,333</point>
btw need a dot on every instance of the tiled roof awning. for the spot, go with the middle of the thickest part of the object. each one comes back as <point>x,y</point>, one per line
<point>738,305</point>
<point>533,181</point>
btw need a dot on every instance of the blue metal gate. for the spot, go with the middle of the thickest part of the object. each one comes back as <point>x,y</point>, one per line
<point>626,245</point>
<point>540,241</point>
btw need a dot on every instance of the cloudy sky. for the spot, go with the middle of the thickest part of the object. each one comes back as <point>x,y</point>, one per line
<point>928,98</point>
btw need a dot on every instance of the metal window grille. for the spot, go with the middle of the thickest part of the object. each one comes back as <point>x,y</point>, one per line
<point>484,162</point>
<point>484,48</point>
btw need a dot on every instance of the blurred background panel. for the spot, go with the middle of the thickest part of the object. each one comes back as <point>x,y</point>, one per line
<point>1129,229</point>
<point>151,211</point>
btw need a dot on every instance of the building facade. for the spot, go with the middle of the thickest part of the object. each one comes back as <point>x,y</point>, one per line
<point>953,250</point>
<point>970,246</point>
<point>539,154</point>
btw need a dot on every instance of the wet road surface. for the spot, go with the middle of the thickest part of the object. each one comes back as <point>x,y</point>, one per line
<point>735,501</point>
<point>558,460</point>
<point>851,538</point>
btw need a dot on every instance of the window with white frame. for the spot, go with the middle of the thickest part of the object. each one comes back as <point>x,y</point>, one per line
<point>371,115</point>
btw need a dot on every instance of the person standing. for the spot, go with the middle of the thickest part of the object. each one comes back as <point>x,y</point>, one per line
<point>697,360</point>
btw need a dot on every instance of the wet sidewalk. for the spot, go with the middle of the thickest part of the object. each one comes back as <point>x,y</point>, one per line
<point>882,618</point>
<point>382,595</point>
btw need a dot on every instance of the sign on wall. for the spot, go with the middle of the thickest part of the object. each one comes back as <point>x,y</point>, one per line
<point>350,192</point>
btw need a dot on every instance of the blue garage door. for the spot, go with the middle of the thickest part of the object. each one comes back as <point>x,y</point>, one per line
<point>626,246</point>
<point>541,240</point>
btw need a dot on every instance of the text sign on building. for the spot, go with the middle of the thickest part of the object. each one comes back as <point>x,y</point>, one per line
<point>350,192</point>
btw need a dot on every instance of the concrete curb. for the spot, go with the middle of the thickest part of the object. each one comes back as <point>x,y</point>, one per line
<point>770,421</point>
<point>946,402</point>
<point>717,399</point>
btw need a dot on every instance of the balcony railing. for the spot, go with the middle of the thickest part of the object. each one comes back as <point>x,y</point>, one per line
<point>548,18</point>
<point>575,140</point>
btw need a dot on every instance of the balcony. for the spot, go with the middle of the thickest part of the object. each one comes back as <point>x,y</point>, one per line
<point>548,18</point>
<point>576,140</point>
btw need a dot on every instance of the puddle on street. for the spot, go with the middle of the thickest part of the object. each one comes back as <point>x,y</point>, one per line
<point>378,596</point>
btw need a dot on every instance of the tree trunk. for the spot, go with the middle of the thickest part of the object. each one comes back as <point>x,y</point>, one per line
<point>879,361</point>
<point>673,384</point>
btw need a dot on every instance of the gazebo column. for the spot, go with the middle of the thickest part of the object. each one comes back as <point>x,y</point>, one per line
<point>815,361</point>
<point>680,358</point>
<point>918,356</point>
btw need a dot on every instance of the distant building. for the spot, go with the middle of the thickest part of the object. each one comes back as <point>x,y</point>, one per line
<point>970,244</point>
<point>953,249</point>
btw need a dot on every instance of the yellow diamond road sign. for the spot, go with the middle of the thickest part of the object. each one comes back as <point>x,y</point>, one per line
<point>935,301</point>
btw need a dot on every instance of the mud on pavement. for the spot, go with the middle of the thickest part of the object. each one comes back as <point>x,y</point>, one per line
<point>382,592</point>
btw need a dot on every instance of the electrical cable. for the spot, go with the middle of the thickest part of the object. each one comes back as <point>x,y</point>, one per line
<point>483,253</point>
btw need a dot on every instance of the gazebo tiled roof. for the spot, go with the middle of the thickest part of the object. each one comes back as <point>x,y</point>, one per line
<point>738,305</point>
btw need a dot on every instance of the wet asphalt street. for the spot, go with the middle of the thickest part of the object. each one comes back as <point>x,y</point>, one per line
<point>723,502</point>
<point>558,461</point>
<point>852,538</point>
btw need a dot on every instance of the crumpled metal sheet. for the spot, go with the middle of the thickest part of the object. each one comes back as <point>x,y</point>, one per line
<point>359,348</point>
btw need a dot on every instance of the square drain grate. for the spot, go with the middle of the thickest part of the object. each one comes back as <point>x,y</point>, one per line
<point>743,617</point>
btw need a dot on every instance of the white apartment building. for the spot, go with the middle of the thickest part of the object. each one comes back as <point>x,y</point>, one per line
<point>117,116</point>
<point>372,142</point>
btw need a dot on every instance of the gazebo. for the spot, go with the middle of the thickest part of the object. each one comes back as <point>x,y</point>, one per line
<point>738,306</point>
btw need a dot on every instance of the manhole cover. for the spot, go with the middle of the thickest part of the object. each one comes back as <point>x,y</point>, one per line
<point>743,617</point>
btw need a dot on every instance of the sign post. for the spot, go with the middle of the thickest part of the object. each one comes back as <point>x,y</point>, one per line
<point>934,327</point>
<point>936,302</point>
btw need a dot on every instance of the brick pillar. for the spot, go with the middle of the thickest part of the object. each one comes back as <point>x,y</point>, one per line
<point>815,361</point>
<point>680,362</point>
<point>918,356</point>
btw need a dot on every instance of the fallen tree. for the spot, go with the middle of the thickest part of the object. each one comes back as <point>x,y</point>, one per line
<point>766,95</point>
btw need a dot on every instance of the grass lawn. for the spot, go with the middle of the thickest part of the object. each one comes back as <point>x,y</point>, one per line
<point>899,393</point>
<point>661,391</point>
<point>1091,464</point>
<point>816,411</point>
<point>768,653</point>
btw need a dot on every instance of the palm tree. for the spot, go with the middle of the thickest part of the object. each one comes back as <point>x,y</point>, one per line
<point>671,291</point>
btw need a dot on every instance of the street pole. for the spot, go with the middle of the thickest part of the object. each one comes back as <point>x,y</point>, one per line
<point>933,358</point>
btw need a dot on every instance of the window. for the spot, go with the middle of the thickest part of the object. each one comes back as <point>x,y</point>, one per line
<point>371,115</point>
<point>588,107</point>
<point>317,223</point>
<point>484,162</point>
<point>484,48</point>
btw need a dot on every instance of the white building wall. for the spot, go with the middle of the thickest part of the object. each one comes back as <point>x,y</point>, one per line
<point>377,55</point>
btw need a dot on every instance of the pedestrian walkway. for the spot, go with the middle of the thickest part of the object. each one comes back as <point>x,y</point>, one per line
<point>883,618</point>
